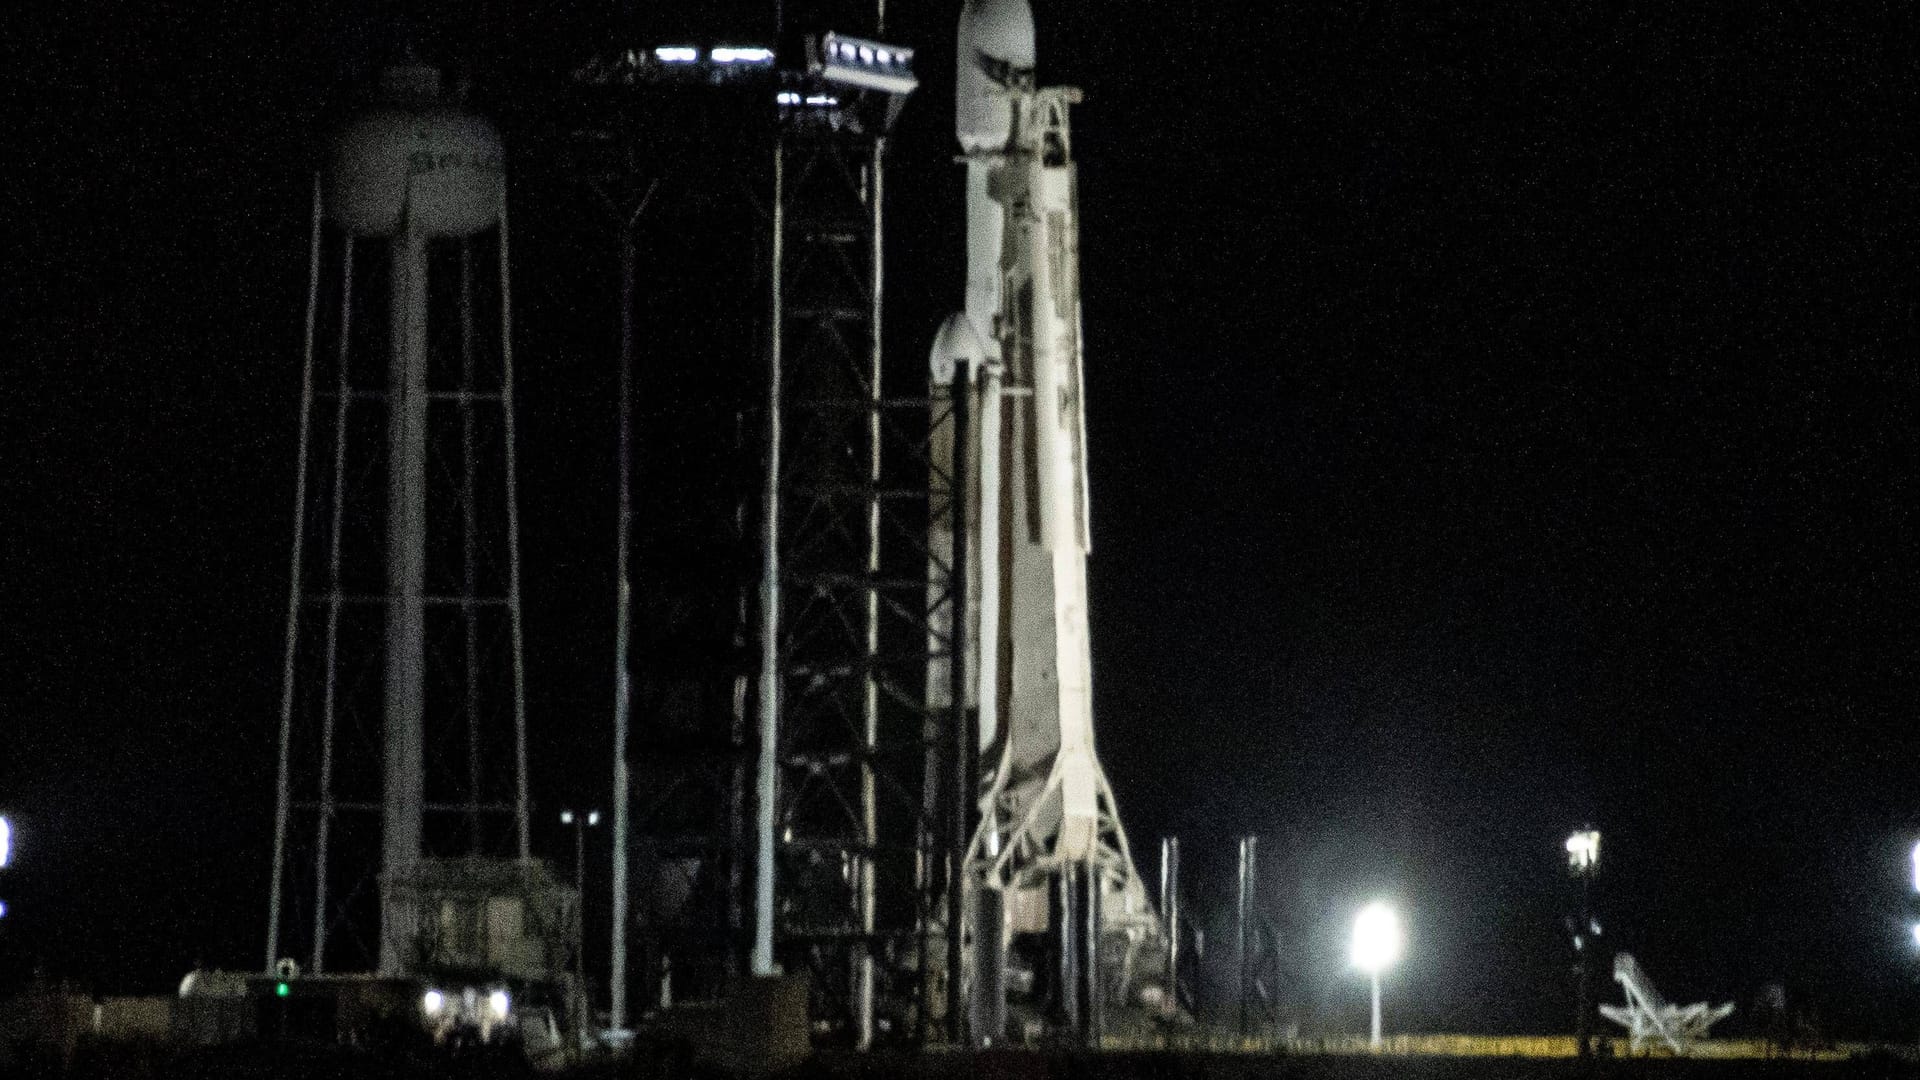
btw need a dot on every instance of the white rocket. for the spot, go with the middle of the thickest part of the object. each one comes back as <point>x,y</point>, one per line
<point>1046,808</point>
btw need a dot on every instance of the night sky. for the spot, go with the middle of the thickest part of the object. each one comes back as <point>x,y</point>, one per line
<point>1503,417</point>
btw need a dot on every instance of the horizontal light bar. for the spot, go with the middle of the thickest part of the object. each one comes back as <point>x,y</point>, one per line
<point>790,97</point>
<point>871,65</point>
<point>737,54</point>
<point>676,54</point>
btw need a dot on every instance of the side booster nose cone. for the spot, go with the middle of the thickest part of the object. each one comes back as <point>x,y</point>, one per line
<point>955,344</point>
<point>996,46</point>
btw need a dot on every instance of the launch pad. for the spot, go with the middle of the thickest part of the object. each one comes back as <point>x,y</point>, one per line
<point>871,763</point>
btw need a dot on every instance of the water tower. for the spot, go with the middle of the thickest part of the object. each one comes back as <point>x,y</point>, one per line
<point>400,827</point>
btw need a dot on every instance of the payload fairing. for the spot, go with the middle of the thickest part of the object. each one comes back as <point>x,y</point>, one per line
<point>1049,852</point>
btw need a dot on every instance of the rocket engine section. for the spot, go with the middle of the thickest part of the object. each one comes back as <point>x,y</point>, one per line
<point>1049,850</point>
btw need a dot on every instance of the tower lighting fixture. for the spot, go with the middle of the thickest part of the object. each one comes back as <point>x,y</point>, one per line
<point>6,841</point>
<point>870,65</point>
<point>1583,851</point>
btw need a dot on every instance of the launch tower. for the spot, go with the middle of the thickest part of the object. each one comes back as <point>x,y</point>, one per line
<point>786,815</point>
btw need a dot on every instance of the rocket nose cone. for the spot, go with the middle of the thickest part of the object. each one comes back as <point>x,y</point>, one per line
<point>955,344</point>
<point>995,47</point>
<point>1002,30</point>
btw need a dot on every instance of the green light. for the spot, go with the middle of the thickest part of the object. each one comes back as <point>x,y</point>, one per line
<point>281,989</point>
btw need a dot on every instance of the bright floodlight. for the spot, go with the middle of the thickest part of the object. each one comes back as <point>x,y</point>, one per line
<point>1583,851</point>
<point>499,1002</point>
<point>6,842</point>
<point>593,817</point>
<point>1377,940</point>
<point>566,817</point>
<point>3,854</point>
<point>735,54</point>
<point>432,1002</point>
<point>870,65</point>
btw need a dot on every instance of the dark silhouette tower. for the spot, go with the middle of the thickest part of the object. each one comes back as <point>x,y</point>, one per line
<point>777,733</point>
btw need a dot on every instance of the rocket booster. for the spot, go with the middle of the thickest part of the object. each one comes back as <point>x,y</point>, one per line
<point>1047,812</point>
<point>1029,614</point>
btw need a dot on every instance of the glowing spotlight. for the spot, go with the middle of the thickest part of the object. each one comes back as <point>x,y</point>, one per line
<point>1377,939</point>
<point>1583,851</point>
<point>432,1002</point>
<point>499,1003</point>
<point>1377,944</point>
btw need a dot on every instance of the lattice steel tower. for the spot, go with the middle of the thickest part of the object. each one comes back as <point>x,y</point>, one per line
<point>813,857</point>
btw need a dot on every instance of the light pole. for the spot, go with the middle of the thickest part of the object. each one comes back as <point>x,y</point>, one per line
<point>580,823</point>
<point>6,853</point>
<point>1583,861</point>
<point>1916,889</point>
<point>1377,944</point>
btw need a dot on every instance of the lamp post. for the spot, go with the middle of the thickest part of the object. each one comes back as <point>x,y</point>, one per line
<point>1916,888</point>
<point>1377,944</point>
<point>1583,861</point>
<point>580,823</point>
<point>6,853</point>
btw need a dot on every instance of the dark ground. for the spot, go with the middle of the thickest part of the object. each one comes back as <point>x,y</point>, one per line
<point>301,1064</point>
